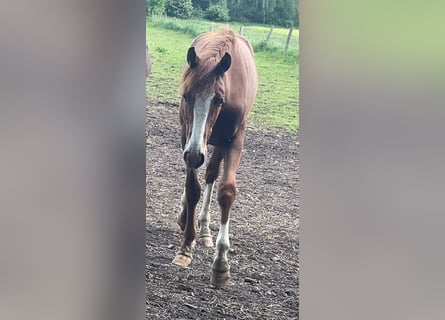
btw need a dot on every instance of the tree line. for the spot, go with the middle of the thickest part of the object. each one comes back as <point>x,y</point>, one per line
<point>276,12</point>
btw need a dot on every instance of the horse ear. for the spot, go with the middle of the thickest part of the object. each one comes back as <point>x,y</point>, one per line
<point>192,58</point>
<point>224,64</point>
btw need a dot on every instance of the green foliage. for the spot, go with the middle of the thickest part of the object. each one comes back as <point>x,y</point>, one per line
<point>198,12</point>
<point>155,7</point>
<point>285,13</point>
<point>203,4</point>
<point>217,11</point>
<point>277,12</point>
<point>179,8</point>
<point>238,10</point>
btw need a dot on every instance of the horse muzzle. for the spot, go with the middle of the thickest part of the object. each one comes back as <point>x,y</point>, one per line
<point>194,159</point>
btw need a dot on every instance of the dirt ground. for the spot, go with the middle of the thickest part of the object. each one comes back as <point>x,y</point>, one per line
<point>263,230</point>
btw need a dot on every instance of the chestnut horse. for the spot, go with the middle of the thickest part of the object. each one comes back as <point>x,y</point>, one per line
<point>218,87</point>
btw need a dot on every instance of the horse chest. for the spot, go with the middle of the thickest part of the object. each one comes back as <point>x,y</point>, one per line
<point>224,129</point>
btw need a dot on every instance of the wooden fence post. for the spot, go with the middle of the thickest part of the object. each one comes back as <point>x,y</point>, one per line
<point>269,34</point>
<point>241,30</point>
<point>288,38</point>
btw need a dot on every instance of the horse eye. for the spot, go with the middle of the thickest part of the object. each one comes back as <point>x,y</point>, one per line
<point>218,101</point>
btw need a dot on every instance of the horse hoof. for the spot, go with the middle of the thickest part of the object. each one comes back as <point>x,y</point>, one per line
<point>219,279</point>
<point>206,241</point>
<point>182,260</point>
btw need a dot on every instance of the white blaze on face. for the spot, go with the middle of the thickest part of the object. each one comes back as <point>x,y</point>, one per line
<point>200,114</point>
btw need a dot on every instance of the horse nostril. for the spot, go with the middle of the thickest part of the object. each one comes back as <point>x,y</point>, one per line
<point>193,160</point>
<point>201,159</point>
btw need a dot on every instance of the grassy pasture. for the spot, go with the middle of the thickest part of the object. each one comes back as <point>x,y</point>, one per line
<point>255,33</point>
<point>277,103</point>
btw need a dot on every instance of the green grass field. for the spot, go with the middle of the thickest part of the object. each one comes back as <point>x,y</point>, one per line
<point>255,33</point>
<point>277,103</point>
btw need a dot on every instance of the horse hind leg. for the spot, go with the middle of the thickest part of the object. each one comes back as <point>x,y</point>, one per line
<point>212,171</point>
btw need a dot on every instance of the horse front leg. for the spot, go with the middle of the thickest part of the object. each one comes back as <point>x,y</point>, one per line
<point>226,197</point>
<point>205,236</point>
<point>192,193</point>
<point>182,217</point>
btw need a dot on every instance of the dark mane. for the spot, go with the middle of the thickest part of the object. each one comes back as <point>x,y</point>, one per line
<point>210,48</point>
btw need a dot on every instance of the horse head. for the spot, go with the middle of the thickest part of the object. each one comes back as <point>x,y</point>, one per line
<point>202,100</point>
